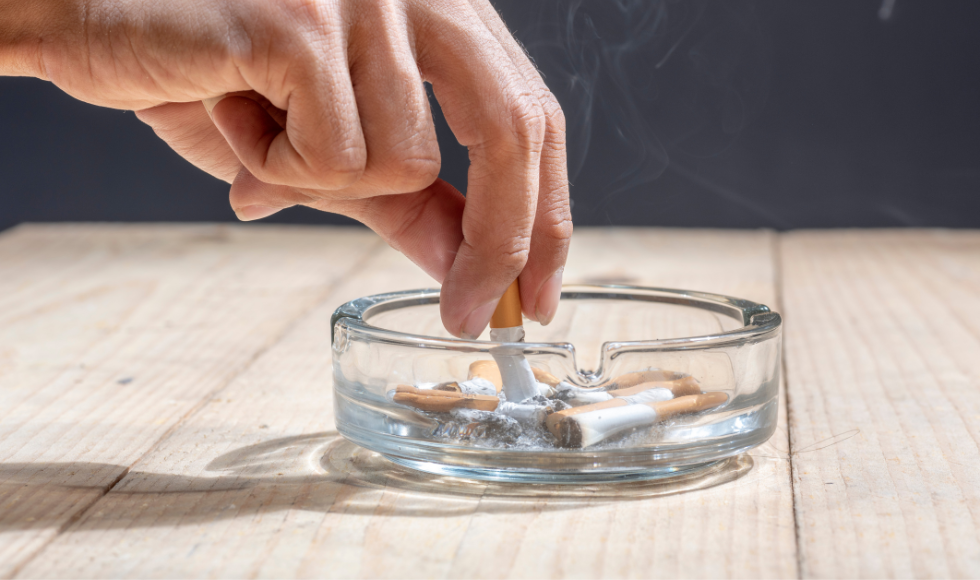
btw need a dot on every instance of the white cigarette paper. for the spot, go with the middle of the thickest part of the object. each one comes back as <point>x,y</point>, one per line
<point>596,426</point>
<point>518,378</point>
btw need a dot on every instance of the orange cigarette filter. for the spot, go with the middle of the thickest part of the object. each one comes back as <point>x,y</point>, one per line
<point>508,312</point>
<point>442,401</point>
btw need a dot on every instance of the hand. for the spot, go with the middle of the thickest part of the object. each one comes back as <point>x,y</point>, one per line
<point>328,109</point>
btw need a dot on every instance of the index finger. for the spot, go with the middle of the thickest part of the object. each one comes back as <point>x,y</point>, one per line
<point>494,113</point>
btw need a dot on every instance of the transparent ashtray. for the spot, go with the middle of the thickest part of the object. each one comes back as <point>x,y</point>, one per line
<point>634,383</point>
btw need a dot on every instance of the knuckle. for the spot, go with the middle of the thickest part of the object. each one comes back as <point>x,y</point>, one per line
<point>412,164</point>
<point>556,226</point>
<point>528,121</point>
<point>341,168</point>
<point>554,113</point>
<point>511,254</point>
<point>415,173</point>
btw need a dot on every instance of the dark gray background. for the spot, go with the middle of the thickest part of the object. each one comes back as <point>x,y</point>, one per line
<point>730,113</point>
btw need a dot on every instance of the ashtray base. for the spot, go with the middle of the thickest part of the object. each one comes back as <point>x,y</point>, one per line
<point>560,477</point>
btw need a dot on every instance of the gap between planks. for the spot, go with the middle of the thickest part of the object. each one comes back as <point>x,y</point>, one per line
<point>778,283</point>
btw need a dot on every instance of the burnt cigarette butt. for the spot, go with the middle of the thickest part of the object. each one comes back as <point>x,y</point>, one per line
<point>644,396</point>
<point>680,384</point>
<point>582,429</point>
<point>442,401</point>
<point>488,370</point>
<point>556,418</point>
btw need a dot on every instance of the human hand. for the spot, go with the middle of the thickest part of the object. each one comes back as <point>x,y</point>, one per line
<point>328,109</point>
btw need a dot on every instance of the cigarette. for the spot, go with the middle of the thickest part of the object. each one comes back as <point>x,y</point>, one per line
<point>681,384</point>
<point>506,325</point>
<point>591,424</point>
<point>438,401</point>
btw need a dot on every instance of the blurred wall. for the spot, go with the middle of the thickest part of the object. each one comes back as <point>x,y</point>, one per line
<point>726,113</point>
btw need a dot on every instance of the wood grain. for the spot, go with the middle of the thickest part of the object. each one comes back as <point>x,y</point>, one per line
<point>111,335</point>
<point>883,356</point>
<point>256,483</point>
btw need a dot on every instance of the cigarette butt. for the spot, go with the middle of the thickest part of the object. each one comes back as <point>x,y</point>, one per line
<point>556,418</point>
<point>486,369</point>
<point>591,424</point>
<point>452,387</point>
<point>680,383</point>
<point>442,401</point>
<point>545,377</point>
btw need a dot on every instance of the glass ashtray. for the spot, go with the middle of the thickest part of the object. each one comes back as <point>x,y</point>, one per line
<point>633,383</point>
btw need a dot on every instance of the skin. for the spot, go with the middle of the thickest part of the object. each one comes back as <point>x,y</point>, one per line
<point>322,103</point>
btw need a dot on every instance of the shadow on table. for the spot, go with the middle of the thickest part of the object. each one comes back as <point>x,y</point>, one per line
<point>318,472</point>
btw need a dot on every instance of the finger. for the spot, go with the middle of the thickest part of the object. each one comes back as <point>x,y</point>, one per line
<point>552,231</point>
<point>424,225</point>
<point>252,199</point>
<point>492,112</point>
<point>402,150</point>
<point>188,129</point>
<point>322,145</point>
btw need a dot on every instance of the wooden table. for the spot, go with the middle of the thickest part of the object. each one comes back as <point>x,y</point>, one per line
<point>165,402</point>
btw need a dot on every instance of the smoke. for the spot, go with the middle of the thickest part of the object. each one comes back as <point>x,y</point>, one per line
<point>887,7</point>
<point>649,86</point>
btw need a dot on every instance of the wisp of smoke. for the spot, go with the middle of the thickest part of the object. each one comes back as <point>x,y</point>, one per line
<point>645,78</point>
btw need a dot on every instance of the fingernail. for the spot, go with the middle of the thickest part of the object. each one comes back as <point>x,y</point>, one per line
<point>548,298</point>
<point>209,104</point>
<point>477,320</point>
<point>255,212</point>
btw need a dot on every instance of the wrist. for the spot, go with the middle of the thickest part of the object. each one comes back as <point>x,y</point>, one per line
<point>25,27</point>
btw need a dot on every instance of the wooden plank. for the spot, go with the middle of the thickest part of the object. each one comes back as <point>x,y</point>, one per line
<point>256,482</point>
<point>883,353</point>
<point>110,335</point>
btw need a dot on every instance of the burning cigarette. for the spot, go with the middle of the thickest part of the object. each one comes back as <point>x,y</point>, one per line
<point>438,401</point>
<point>591,424</point>
<point>681,384</point>
<point>506,325</point>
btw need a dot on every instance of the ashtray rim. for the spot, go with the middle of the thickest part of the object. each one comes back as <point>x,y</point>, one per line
<point>758,320</point>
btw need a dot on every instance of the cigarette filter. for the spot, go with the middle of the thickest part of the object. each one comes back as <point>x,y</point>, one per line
<point>681,384</point>
<point>437,401</point>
